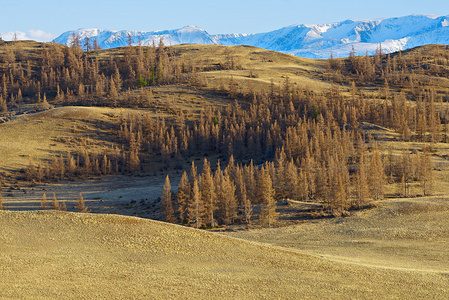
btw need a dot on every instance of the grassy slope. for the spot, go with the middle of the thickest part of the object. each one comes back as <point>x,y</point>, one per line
<point>107,256</point>
<point>35,136</point>
<point>266,65</point>
<point>408,234</point>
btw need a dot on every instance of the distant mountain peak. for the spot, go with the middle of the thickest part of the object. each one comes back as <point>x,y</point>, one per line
<point>427,16</point>
<point>306,40</point>
<point>191,27</point>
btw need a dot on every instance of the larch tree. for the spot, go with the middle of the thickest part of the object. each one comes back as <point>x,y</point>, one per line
<point>362,188</point>
<point>403,186</point>
<point>71,164</point>
<point>104,165</point>
<point>87,163</point>
<point>281,180</point>
<point>183,196</point>
<point>376,175</point>
<point>195,211</point>
<point>268,214</point>
<point>208,193</point>
<point>96,46</point>
<point>406,168</point>
<point>44,202</point>
<point>80,204</point>
<point>229,199</point>
<point>244,203</point>
<point>425,171</point>
<point>55,203</point>
<point>63,206</point>
<point>340,194</point>
<point>193,174</point>
<point>219,193</point>
<point>1,202</point>
<point>250,182</point>
<point>3,106</point>
<point>87,45</point>
<point>232,87</point>
<point>291,184</point>
<point>303,187</point>
<point>167,203</point>
<point>247,208</point>
<point>113,94</point>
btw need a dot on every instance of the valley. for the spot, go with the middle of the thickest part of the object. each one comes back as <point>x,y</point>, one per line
<point>284,177</point>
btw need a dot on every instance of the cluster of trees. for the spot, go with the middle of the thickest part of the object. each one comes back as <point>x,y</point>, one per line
<point>407,168</point>
<point>54,203</point>
<point>416,75</point>
<point>222,197</point>
<point>256,130</point>
<point>231,195</point>
<point>80,204</point>
<point>71,76</point>
<point>82,163</point>
<point>394,69</point>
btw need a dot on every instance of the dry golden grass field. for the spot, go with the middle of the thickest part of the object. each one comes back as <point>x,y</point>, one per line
<point>68,255</point>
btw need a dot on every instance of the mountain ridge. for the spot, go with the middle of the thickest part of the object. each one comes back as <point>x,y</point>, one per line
<point>304,40</point>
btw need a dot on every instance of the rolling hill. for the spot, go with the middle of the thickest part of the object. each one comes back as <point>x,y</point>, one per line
<point>52,255</point>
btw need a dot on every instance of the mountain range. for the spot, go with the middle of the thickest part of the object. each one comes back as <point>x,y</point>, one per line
<point>313,41</point>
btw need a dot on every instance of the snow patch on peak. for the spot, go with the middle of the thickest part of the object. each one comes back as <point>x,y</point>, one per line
<point>321,28</point>
<point>445,23</point>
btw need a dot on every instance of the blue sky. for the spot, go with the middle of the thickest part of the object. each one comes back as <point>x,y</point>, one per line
<point>46,19</point>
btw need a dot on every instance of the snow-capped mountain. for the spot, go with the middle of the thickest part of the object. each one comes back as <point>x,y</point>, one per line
<point>112,39</point>
<point>315,41</point>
